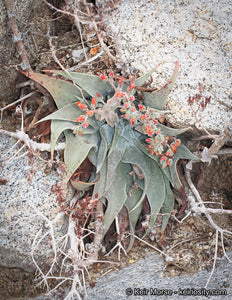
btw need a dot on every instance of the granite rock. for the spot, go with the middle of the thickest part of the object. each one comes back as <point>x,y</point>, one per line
<point>25,195</point>
<point>198,35</point>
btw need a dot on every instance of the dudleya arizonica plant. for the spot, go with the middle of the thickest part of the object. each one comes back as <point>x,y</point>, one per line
<point>133,153</point>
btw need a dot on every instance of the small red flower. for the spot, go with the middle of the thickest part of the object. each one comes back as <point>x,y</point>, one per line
<point>111,74</point>
<point>81,118</point>
<point>148,140</point>
<point>177,143</point>
<point>132,98</point>
<point>155,122</point>
<point>148,130</point>
<point>141,107</point>
<point>120,81</point>
<point>132,121</point>
<point>163,158</point>
<point>131,87</point>
<point>89,113</point>
<point>85,124</point>
<point>168,162</point>
<point>157,132</point>
<point>103,77</point>
<point>98,95</point>
<point>143,117</point>
<point>120,94</point>
<point>133,109</point>
<point>94,101</point>
<point>125,105</point>
<point>174,148</point>
<point>81,105</point>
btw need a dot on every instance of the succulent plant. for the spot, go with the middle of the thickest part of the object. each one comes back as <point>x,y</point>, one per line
<point>134,154</point>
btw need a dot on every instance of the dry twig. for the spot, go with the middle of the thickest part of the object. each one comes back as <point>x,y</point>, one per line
<point>17,38</point>
<point>199,207</point>
<point>22,136</point>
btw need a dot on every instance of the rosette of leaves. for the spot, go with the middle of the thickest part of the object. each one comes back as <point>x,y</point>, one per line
<point>114,147</point>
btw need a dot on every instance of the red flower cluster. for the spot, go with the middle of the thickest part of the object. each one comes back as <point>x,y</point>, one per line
<point>83,119</point>
<point>158,144</point>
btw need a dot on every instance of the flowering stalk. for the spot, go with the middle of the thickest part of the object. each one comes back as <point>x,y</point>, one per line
<point>83,119</point>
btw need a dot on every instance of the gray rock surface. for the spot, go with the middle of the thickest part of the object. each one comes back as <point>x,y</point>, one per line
<point>145,277</point>
<point>27,189</point>
<point>196,33</point>
<point>147,274</point>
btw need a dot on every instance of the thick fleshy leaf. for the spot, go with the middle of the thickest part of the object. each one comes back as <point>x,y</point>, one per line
<point>141,80</point>
<point>115,153</point>
<point>168,204</point>
<point>99,188</point>
<point>118,129</point>
<point>92,156</point>
<point>88,82</point>
<point>116,195</point>
<point>76,150</point>
<point>113,160</point>
<point>140,145</point>
<point>168,131</point>
<point>157,99</point>
<point>63,92</point>
<point>70,113</point>
<point>182,153</point>
<point>106,133</point>
<point>57,127</point>
<point>154,186</point>
<point>133,215</point>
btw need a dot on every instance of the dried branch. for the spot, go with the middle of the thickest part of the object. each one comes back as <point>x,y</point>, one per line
<point>82,20</point>
<point>119,241</point>
<point>219,143</point>
<point>202,209</point>
<point>22,136</point>
<point>15,102</point>
<point>86,62</point>
<point>99,36</point>
<point>17,38</point>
